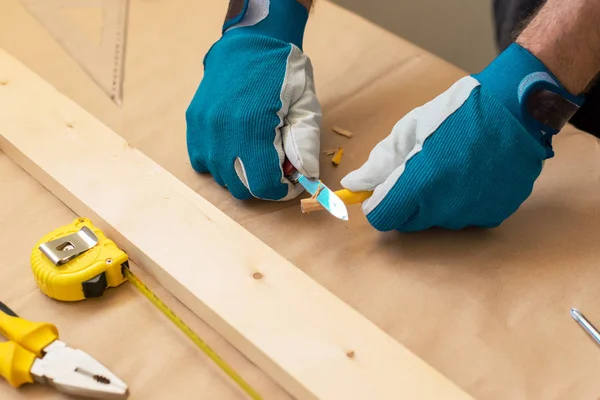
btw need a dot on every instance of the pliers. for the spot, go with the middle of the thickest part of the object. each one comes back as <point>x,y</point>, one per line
<point>33,353</point>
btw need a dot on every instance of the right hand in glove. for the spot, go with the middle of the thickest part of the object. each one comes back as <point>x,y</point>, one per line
<point>256,103</point>
<point>471,156</point>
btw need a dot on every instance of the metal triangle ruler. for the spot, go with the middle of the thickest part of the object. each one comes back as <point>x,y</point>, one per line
<point>103,62</point>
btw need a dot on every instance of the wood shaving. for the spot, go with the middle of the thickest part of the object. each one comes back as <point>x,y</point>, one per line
<point>319,189</point>
<point>343,132</point>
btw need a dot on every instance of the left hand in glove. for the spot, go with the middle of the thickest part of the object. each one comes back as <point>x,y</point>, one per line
<point>471,156</point>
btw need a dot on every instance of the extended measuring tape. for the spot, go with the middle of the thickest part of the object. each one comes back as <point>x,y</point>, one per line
<point>77,261</point>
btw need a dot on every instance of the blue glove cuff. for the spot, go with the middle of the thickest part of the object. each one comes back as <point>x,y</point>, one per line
<point>521,82</point>
<point>284,20</point>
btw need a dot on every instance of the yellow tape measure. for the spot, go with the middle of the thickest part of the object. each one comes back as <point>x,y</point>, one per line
<point>78,261</point>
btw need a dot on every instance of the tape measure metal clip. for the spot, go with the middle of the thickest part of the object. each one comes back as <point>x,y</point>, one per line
<point>77,261</point>
<point>64,249</point>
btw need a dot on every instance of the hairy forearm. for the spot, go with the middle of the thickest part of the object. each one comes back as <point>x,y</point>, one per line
<point>565,36</point>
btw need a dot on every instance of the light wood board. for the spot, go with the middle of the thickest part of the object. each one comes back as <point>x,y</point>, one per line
<point>309,341</point>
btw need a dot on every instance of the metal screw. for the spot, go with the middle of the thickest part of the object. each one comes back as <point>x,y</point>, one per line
<point>109,261</point>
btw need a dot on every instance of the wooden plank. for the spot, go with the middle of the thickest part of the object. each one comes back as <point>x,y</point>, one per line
<point>308,340</point>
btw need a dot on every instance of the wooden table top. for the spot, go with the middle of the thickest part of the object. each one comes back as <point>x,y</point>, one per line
<point>489,309</point>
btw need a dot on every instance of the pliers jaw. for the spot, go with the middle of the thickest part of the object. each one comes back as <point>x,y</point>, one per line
<point>74,372</point>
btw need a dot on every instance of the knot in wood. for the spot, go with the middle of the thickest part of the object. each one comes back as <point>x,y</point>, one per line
<point>257,275</point>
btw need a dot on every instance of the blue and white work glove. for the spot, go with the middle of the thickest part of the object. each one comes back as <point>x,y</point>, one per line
<point>469,157</point>
<point>257,103</point>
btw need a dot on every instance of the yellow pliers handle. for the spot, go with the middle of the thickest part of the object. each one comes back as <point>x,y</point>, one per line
<point>27,341</point>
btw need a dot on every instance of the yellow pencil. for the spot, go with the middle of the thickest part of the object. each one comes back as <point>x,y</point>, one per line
<point>348,197</point>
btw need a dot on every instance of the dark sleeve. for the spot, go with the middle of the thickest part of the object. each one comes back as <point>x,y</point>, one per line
<point>509,18</point>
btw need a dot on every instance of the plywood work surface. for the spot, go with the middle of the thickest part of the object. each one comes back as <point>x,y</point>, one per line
<point>488,309</point>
